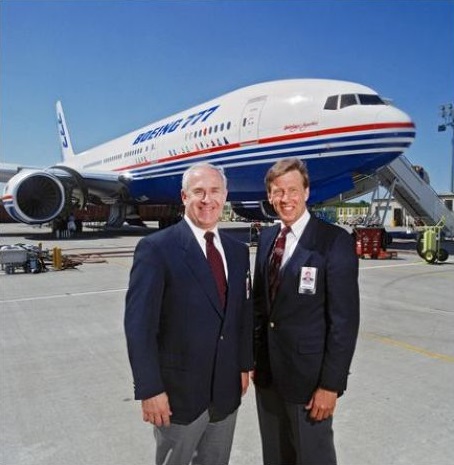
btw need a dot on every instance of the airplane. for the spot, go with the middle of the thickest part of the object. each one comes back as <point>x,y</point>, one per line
<point>342,130</point>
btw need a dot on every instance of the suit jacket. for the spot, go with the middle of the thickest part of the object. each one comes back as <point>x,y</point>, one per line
<point>304,341</point>
<point>180,341</point>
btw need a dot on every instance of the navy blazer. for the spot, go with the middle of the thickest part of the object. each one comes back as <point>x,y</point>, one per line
<point>305,341</point>
<point>180,341</point>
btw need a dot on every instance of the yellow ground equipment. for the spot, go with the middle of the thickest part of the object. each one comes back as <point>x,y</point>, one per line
<point>429,242</point>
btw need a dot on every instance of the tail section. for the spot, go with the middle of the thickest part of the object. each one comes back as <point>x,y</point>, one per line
<point>65,141</point>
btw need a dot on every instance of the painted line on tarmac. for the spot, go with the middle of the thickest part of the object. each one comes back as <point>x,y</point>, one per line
<point>374,267</point>
<point>410,347</point>
<point>59,296</point>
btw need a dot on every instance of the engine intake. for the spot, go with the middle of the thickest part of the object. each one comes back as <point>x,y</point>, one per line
<point>34,197</point>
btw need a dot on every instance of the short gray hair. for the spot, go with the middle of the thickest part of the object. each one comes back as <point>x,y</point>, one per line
<point>187,174</point>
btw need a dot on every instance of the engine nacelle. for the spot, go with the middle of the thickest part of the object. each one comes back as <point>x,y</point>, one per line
<point>34,197</point>
<point>255,210</point>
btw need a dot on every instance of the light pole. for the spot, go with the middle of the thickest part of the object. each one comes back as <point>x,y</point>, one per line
<point>447,113</point>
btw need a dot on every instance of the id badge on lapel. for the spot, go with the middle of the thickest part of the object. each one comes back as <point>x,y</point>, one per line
<point>308,280</point>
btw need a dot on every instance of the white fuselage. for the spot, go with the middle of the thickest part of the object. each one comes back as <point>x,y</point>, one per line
<point>338,128</point>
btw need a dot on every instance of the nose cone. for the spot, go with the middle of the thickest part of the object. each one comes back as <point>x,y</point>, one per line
<point>393,121</point>
<point>390,114</point>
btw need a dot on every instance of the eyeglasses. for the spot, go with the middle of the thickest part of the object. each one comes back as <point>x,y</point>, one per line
<point>292,192</point>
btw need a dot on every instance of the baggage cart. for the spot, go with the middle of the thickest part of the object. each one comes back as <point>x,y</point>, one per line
<point>15,257</point>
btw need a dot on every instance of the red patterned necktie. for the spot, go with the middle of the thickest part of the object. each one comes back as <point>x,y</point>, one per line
<point>276,260</point>
<point>217,266</point>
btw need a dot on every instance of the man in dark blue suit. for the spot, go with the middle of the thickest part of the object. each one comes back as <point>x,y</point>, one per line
<point>188,324</point>
<point>306,308</point>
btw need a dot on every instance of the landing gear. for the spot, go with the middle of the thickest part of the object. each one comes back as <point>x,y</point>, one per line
<point>166,222</point>
<point>169,215</point>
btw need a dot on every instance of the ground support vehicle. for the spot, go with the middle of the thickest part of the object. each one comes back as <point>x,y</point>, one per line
<point>28,258</point>
<point>371,242</point>
<point>429,243</point>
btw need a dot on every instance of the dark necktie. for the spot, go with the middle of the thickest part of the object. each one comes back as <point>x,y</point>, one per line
<point>276,260</point>
<point>217,266</point>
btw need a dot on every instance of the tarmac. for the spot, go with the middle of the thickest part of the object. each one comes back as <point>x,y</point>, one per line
<point>66,393</point>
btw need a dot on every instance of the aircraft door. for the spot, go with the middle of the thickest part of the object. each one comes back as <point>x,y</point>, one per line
<point>249,125</point>
<point>398,217</point>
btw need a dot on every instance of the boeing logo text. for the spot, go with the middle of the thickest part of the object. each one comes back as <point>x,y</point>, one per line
<point>201,116</point>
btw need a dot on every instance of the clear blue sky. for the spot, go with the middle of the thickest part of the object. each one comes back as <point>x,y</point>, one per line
<point>119,65</point>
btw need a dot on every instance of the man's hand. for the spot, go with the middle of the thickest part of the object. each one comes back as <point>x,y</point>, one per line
<point>322,404</point>
<point>156,410</point>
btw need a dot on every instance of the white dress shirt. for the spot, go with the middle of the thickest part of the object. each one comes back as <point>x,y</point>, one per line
<point>294,236</point>
<point>200,237</point>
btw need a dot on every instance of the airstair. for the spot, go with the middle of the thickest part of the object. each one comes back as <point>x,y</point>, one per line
<point>413,192</point>
<point>408,187</point>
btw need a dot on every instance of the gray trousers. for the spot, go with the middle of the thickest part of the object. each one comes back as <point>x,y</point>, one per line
<point>202,442</point>
<point>289,436</point>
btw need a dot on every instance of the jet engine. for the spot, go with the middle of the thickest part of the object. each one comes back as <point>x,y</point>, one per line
<point>260,210</point>
<point>34,197</point>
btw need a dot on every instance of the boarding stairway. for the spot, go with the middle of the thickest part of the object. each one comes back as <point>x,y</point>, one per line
<point>415,194</point>
<point>409,188</point>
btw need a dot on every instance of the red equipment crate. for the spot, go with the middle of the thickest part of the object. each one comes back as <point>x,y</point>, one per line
<point>371,243</point>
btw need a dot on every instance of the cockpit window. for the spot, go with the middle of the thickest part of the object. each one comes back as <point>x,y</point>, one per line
<point>370,99</point>
<point>331,103</point>
<point>347,100</point>
<point>335,102</point>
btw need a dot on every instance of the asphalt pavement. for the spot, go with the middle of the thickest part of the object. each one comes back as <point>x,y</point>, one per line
<point>66,394</point>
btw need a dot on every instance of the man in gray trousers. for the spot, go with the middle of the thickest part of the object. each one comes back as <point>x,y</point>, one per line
<point>188,324</point>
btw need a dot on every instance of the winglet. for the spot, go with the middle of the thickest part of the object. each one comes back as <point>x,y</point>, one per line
<point>63,133</point>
